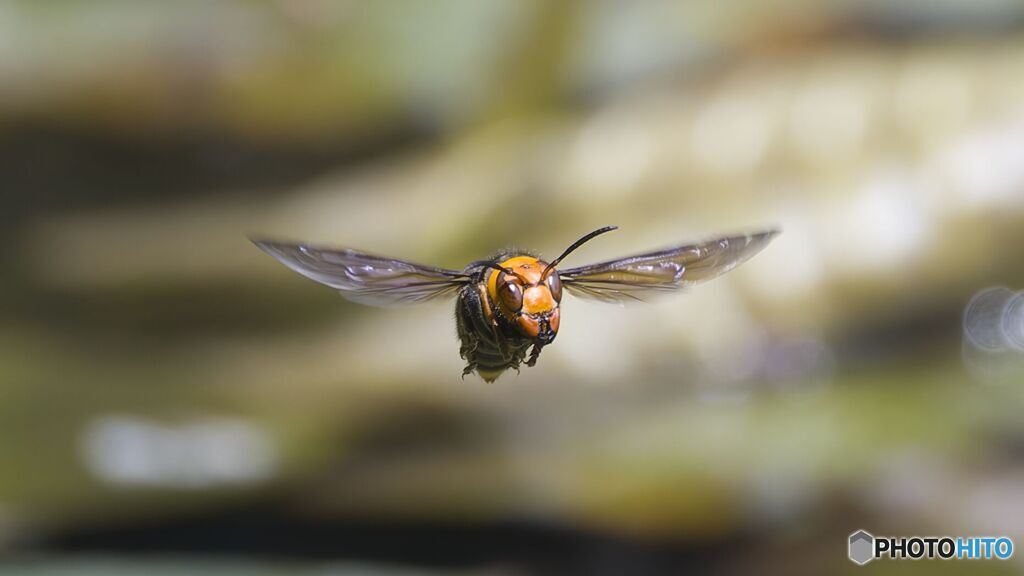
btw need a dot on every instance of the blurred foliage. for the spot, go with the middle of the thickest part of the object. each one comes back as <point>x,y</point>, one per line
<point>155,366</point>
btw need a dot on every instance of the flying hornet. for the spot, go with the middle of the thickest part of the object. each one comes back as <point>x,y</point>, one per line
<point>508,306</point>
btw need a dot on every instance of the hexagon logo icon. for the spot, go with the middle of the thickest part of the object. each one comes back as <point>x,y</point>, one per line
<point>861,548</point>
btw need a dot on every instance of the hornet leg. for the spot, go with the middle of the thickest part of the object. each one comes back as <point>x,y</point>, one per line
<point>534,355</point>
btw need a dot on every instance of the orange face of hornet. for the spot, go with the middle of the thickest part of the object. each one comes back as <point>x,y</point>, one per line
<point>527,297</point>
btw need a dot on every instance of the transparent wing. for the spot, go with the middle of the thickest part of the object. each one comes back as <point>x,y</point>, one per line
<point>365,278</point>
<point>664,270</point>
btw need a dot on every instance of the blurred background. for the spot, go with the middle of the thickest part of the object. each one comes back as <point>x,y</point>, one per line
<point>173,401</point>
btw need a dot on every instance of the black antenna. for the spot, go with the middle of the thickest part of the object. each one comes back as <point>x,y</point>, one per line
<point>574,246</point>
<point>508,271</point>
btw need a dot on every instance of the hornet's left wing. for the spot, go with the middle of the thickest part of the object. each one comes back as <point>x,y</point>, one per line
<point>633,277</point>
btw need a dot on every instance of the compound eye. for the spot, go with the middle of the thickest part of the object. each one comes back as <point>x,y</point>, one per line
<point>555,285</point>
<point>511,295</point>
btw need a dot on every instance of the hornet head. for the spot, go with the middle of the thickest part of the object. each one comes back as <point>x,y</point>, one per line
<point>527,293</point>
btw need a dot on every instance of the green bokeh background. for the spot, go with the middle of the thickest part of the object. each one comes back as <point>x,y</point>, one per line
<point>173,401</point>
